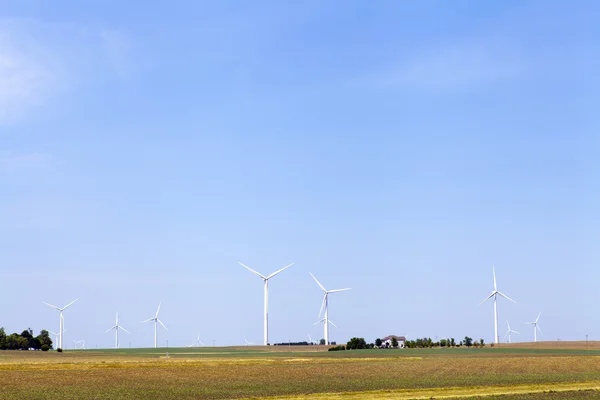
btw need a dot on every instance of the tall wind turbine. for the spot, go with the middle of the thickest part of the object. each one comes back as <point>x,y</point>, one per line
<point>266,284</point>
<point>536,327</point>
<point>494,294</point>
<point>510,331</point>
<point>116,328</point>
<point>325,305</point>
<point>156,321</point>
<point>62,320</point>
<point>57,335</point>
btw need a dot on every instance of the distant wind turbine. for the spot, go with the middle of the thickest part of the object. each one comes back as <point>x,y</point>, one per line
<point>156,321</point>
<point>510,331</point>
<point>494,294</point>
<point>310,339</point>
<point>266,284</point>
<point>536,327</point>
<point>247,342</point>
<point>116,328</point>
<point>61,329</point>
<point>79,344</point>
<point>325,306</point>
<point>197,342</point>
<point>57,335</point>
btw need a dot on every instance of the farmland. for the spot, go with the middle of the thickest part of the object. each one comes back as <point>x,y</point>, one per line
<point>545,371</point>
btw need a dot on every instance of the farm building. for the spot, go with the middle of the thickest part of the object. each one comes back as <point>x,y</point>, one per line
<point>387,341</point>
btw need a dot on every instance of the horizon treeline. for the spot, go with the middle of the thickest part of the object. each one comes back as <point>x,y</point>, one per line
<point>25,340</point>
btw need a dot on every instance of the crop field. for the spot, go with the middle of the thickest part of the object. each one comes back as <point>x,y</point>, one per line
<point>507,372</point>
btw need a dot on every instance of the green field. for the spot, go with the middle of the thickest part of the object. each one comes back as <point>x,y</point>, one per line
<point>301,373</point>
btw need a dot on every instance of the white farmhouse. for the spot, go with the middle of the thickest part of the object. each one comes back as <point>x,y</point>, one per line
<point>387,341</point>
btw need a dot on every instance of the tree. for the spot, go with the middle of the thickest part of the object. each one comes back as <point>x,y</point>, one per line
<point>356,343</point>
<point>481,342</point>
<point>452,342</point>
<point>378,342</point>
<point>394,342</point>
<point>468,341</point>
<point>322,341</point>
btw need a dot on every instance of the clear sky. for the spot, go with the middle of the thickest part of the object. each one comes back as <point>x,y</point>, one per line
<point>399,148</point>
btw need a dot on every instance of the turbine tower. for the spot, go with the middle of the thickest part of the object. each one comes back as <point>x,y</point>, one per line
<point>62,320</point>
<point>116,328</point>
<point>325,305</point>
<point>266,284</point>
<point>536,327</point>
<point>494,294</point>
<point>156,321</point>
<point>510,331</point>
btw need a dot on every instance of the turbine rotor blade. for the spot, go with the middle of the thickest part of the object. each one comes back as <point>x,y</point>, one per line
<point>120,327</point>
<point>276,272</point>
<point>318,283</point>
<point>494,272</point>
<point>538,317</point>
<point>506,297</point>
<point>322,304</point>
<point>158,309</point>
<point>148,320</point>
<point>320,321</point>
<point>538,328</point>
<point>253,271</point>
<point>515,332</point>
<point>160,322</point>
<point>487,298</point>
<point>65,307</point>
<point>53,306</point>
<point>338,290</point>
<point>108,330</point>
<point>333,324</point>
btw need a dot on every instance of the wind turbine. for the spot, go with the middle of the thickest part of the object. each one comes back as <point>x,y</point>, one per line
<point>266,283</point>
<point>309,339</point>
<point>508,334</point>
<point>536,327</point>
<point>247,342</point>
<point>79,344</point>
<point>494,294</point>
<point>325,305</point>
<point>197,342</point>
<point>62,320</point>
<point>156,321</point>
<point>116,328</point>
<point>57,335</point>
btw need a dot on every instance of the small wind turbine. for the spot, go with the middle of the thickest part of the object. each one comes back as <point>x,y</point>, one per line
<point>156,321</point>
<point>247,342</point>
<point>197,342</point>
<point>57,335</point>
<point>325,305</point>
<point>79,344</point>
<point>494,294</point>
<point>510,331</point>
<point>61,329</point>
<point>116,328</point>
<point>266,284</point>
<point>536,327</point>
<point>309,339</point>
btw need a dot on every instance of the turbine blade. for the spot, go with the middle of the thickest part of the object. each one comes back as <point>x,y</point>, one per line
<point>318,283</point>
<point>507,333</point>
<point>494,272</point>
<point>108,330</point>
<point>338,290</point>
<point>515,332</point>
<point>48,304</point>
<point>538,328</point>
<point>508,325</point>
<point>253,271</point>
<point>148,320</point>
<point>276,272</point>
<point>120,327</point>
<point>160,322</point>
<point>322,305</point>
<point>487,298</point>
<point>506,297</point>
<point>158,309</point>
<point>64,308</point>
<point>320,321</point>
<point>538,317</point>
<point>333,324</point>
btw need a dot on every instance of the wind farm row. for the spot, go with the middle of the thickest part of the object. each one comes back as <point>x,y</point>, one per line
<point>323,312</point>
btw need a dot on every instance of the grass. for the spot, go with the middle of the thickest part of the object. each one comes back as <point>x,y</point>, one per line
<point>252,372</point>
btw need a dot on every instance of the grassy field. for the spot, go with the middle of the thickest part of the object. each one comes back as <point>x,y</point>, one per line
<point>507,373</point>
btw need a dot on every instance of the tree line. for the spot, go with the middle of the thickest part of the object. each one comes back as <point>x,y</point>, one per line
<point>25,340</point>
<point>421,343</point>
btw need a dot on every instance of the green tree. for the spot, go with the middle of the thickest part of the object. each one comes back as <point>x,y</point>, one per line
<point>322,341</point>
<point>378,342</point>
<point>481,342</point>
<point>394,342</point>
<point>468,341</point>
<point>356,343</point>
<point>452,342</point>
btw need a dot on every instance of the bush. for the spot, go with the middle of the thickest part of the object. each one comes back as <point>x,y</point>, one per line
<point>337,348</point>
<point>45,347</point>
<point>59,350</point>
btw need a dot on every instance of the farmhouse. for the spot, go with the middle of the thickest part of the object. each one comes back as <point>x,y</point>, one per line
<point>387,341</point>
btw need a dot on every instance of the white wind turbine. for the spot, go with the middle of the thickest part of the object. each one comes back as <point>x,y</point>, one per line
<point>510,331</point>
<point>197,342</point>
<point>247,342</point>
<point>536,327</point>
<point>57,335</point>
<point>494,294</point>
<point>61,329</point>
<point>325,305</point>
<point>266,284</point>
<point>116,327</point>
<point>79,344</point>
<point>156,321</point>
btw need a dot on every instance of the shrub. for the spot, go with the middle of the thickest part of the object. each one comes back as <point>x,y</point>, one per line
<point>59,350</point>
<point>45,347</point>
<point>337,348</point>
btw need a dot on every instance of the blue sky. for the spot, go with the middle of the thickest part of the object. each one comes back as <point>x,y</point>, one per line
<point>398,148</point>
